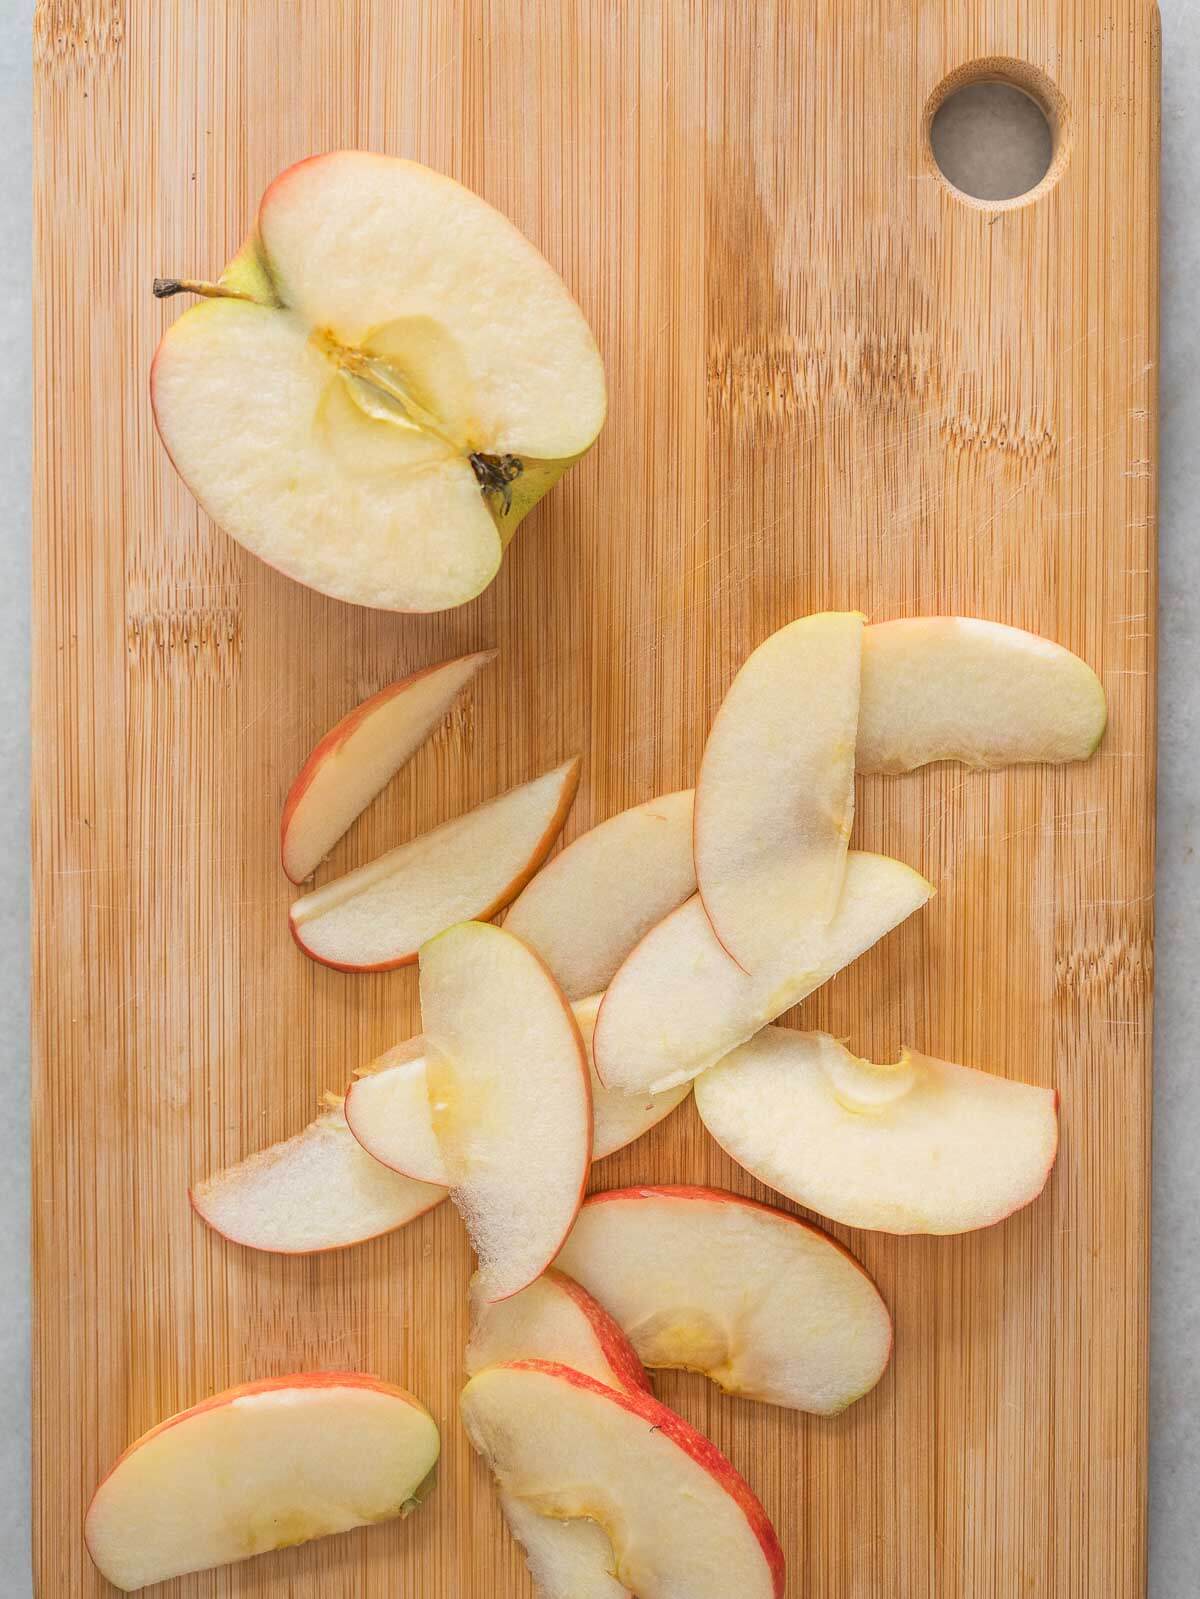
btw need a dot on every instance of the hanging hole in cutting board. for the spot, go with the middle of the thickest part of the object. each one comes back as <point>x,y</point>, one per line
<point>996,132</point>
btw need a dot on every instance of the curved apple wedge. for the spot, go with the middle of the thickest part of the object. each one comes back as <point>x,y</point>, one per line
<point>359,757</point>
<point>775,794</point>
<point>387,1107</point>
<point>318,1190</point>
<point>923,1146</point>
<point>953,688</point>
<point>260,1467</point>
<point>679,1518</point>
<point>508,1087</point>
<point>679,1003</point>
<point>765,1304</point>
<point>378,917</point>
<point>588,907</point>
<point>567,1559</point>
<point>553,1319</point>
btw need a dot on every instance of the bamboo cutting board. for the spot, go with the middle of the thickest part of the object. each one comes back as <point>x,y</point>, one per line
<point>833,384</point>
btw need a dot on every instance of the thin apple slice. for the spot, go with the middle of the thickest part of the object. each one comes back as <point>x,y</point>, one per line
<point>588,907</point>
<point>765,1304</point>
<point>359,757</point>
<point>681,1522</point>
<point>953,688</point>
<point>553,1319</point>
<point>387,1107</point>
<point>567,1559</point>
<point>318,1190</point>
<point>260,1467</point>
<point>378,917</point>
<point>921,1146</point>
<point>775,795</point>
<point>508,1087</point>
<point>680,1003</point>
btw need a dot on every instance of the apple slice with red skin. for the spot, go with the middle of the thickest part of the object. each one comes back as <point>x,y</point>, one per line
<point>377,917</point>
<point>259,1467</point>
<point>507,1079</point>
<point>681,1522</point>
<point>765,1304</point>
<point>358,758</point>
<point>921,1146</point>
<point>555,1318</point>
<point>319,1190</point>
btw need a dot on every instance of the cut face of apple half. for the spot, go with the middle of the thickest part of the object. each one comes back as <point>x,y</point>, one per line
<point>680,1003</point>
<point>359,757</point>
<point>919,1147</point>
<point>766,1305</point>
<point>260,1467</point>
<point>318,1190</point>
<point>590,905</point>
<point>775,795</point>
<point>387,1107</point>
<point>952,688</point>
<point>553,1319</point>
<point>681,1522</point>
<point>508,1088</point>
<point>380,386</point>
<point>378,917</point>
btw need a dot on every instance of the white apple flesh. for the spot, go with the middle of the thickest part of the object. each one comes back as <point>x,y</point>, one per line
<point>555,1318</point>
<point>256,1468</point>
<point>952,688</point>
<point>508,1088</point>
<point>358,758</point>
<point>775,794</point>
<point>922,1146</point>
<point>680,1003</point>
<point>319,1190</point>
<point>766,1305</point>
<point>681,1522</point>
<point>378,917</point>
<point>383,382</point>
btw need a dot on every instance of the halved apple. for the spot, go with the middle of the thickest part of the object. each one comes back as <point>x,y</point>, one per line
<point>680,1003</point>
<point>378,917</point>
<point>952,688</point>
<point>359,757</point>
<point>318,1190</point>
<point>765,1304</point>
<point>508,1087</point>
<point>387,1107</point>
<point>922,1146</point>
<point>260,1467</point>
<point>553,1319</point>
<point>380,386</point>
<point>681,1522</point>
<point>588,907</point>
<point>775,795</point>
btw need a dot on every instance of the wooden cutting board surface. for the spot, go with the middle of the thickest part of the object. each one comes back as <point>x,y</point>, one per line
<point>833,384</point>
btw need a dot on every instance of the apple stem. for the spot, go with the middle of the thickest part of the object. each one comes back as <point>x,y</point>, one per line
<point>164,288</point>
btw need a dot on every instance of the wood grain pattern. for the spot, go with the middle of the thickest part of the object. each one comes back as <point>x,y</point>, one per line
<point>833,384</point>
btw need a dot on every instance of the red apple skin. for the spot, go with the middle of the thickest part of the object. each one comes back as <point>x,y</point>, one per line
<point>505,897</point>
<point>704,1452</point>
<point>618,1351</point>
<point>341,731</point>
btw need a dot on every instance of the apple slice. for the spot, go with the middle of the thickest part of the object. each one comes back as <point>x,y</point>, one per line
<point>567,1559</point>
<point>681,1522</point>
<point>378,917</point>
<point>952,688</point>
<point>679,1003</point>
<point>318,1190</point>
<point>380,386</point>
<point>359,757</point>
<point>553,1319</point>
<point>508,1086</point>
<point>260,1467</point>
<point>775,795</point>
<point>922,1146</point>
<point>766,1305</point>
<point>387,1107</point>
<point>588,907</point>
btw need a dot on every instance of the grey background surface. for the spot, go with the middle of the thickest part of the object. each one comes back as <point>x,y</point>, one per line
<point>1175,1343</point>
